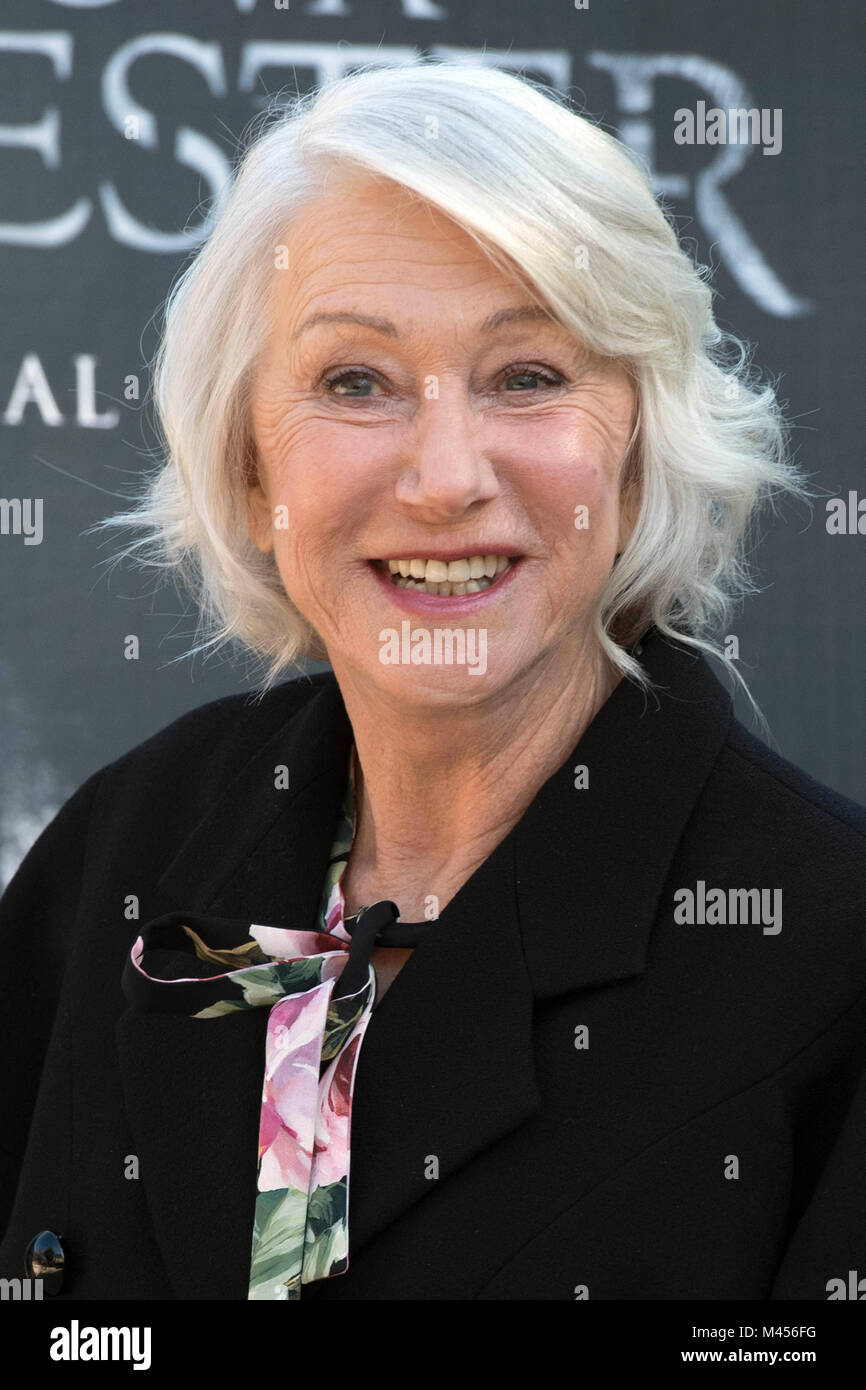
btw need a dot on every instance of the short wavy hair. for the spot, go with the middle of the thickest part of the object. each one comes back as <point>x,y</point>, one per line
<point>566,210</point>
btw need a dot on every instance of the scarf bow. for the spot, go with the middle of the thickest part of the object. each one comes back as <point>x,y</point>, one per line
<point>320,988</point>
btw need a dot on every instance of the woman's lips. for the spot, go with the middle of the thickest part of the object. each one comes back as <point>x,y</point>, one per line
<point>419,601</point>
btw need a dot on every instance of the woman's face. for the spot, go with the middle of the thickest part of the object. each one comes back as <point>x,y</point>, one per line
<point>413,404</point>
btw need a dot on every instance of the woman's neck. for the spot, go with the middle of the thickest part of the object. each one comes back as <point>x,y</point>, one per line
<point>438,788</point>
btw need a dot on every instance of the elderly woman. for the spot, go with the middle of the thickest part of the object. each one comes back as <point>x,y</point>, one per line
<point>535,975</point>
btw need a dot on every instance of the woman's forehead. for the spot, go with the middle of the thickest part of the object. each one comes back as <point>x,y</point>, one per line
<point>358,218</point>
<point>346,258</point>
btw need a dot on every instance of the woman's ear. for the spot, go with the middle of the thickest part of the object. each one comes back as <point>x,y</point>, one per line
<point>259,520</point>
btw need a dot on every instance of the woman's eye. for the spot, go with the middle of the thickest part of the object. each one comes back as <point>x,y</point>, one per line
<point>341,378</point>
<point>534,375</point>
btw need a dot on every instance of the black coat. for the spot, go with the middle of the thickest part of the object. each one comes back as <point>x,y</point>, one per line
<point>709,1141</point>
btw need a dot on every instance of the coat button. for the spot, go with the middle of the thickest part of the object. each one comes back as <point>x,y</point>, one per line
<point>46,1260</point>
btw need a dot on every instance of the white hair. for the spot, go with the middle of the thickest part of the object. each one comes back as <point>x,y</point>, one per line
<point>551,199</point>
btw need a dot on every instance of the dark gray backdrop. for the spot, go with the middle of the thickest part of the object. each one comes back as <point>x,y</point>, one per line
<point>92,233</point>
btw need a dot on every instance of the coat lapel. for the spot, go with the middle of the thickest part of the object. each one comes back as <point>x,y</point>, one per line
<point>566,901</point>
<point>447,1066</point>
<point>262,850</point>
<point>592,859</point>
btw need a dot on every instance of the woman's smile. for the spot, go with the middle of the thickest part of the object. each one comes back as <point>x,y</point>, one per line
<point>458,584</point>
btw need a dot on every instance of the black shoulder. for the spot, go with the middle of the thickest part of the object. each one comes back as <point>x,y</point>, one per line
<point>224,732</point>
<point>184,766</point>
<point>776,819</point>
<point>772,780</point>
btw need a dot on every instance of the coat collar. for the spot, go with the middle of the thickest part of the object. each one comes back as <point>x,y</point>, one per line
<point>566,901</point>
<point>262,849</point>
<point>590,863</point>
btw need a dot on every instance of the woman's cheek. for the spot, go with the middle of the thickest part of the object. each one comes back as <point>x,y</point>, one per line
<point>579,504</point>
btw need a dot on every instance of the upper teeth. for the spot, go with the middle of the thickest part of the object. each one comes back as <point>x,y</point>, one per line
<point>451,571</point>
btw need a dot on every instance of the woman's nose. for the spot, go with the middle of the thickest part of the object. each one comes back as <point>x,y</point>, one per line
<point>447,468</point>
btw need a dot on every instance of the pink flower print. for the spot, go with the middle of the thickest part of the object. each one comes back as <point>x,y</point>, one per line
<point>290,1093</point>
<point>331,1152</point>
<point>335,913</point>
<point>280,943</point>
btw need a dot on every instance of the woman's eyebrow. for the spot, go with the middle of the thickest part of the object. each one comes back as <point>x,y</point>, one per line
<point>344,316</point>
<point>380,325</point>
